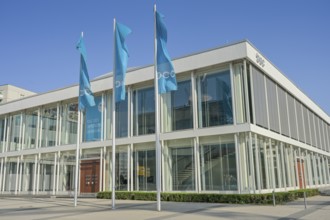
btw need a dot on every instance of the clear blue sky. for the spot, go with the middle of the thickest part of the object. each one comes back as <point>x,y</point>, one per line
<point>38,37</point>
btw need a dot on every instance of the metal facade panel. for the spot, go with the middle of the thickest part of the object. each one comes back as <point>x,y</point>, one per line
<point>292,117</point>
<point>283,111</point>
<point>307,125</point>
<point>300,121</point>
<point>272,105</point>
<point>259,94</point>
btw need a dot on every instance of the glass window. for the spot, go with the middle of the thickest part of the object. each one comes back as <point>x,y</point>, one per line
<point>92,121</point>
<point>144,111</point>
<point>30,136</point>
<point>69,119</point>
<point>178,113</point>
<point>46,175</point>
<point>144,167</point>
<point>180,165</point>
<point>11,175</point>
<point>218,163</point>
<point>2,134</point>
<point>15,138</point>
<point>214,99</point>
<point>66,168</point>
<point>122,118</point>
<point>27,177</point>
<point>48,120</point>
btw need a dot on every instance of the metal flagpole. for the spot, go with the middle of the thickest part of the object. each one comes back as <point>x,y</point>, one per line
<point>77,160</point>
<point>157,125</point>
<point>114,119</point>
<point>78,147</point>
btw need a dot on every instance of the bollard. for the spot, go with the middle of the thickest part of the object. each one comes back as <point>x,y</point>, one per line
<point>305,200</point>
<point>274,203</point>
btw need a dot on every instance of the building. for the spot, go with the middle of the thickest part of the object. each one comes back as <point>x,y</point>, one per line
<point>9,93</point>
<point>235,125</point>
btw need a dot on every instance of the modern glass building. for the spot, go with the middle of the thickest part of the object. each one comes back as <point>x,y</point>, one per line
<point>236,124</point>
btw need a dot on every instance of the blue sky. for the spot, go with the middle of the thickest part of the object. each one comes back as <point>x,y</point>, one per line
<point>38,37</point>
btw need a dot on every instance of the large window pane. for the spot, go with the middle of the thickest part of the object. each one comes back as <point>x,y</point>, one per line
<point>92,121</point>
<point>144,111</point>
<point>48,118</point>
<point>30,137</point>
<point>14,138</point>
<point>144,167</point>
<point>218,164</point>
<point>180,165</point>
<point>178,108</point>
<point>214,99</point>
<point>2,134</point>
<point>69,123</point>
<point>122,118</point>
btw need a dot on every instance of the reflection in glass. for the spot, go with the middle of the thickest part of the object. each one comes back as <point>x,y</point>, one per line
<point>31,120</point>
<point>69,123</point>
<point>214,99</point>
<point>144,170</point>
<point>218,166</point>
<point>14,138</point>
<point>178,113</point>
<point>48,120</point>
<point>144,111</point>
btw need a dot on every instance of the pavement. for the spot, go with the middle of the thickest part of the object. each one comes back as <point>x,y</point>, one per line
<point>318,207</point>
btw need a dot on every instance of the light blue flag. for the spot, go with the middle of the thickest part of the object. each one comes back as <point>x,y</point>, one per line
<point>165,70</point>
<point>86,97</point>
<point>121,58</point>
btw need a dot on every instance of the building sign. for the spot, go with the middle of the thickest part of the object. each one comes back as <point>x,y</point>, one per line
<point>260,60</point>
<point>93,121</point>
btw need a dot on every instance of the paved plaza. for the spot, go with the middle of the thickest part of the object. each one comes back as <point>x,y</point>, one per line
<point>318,207</point>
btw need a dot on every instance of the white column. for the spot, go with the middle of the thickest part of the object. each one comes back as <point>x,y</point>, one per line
<point>252,178</point>
<point>272,162</point>
<point>4,175</point>
<point>194,100</point>
<point>197,165</point>
<point>101,170</point>
<point>38,174</point>
<point>292,166</point>
<point>20,174</point>
<point>17,175</point>
<point>233,106</point>
<point>34,174</point>
<point>238,170</point>
<point>288,166</point>
<point>58,169</point>
<point>246,93</point>
<point>283,167</point>
<point>1,173</point>
<point>266,165</point>
<point>296,170</point>
<point>279,171</point>
<point>257,163</point>
<point>54,173</point>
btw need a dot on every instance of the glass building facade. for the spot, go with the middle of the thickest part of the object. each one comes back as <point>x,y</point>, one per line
<point>235,125</point>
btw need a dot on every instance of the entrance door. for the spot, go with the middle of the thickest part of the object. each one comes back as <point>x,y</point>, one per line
<point>89,176</point>
<point>301,172</point>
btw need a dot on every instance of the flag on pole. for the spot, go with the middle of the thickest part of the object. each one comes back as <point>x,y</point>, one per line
<point>121,58</point>
<point>86,97</point>
<point>165,70</point>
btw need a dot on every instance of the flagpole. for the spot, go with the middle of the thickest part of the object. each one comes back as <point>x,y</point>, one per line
<point>78,148</point>
<point>157,125</point>
<point>114,119</point>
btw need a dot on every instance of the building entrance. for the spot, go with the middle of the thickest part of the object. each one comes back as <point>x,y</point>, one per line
<point>89,176</point>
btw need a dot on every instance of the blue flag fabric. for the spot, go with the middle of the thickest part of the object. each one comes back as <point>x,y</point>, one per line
<point>121,58</point>
<point>86,97</point>
<point>165,71</point>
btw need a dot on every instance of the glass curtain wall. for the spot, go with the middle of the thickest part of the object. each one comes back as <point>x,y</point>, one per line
<point>122,118</point>
<point>214,99</point>
<point>28,177</point>
<point>48,120</point>
<point>2,134</point>
<point>11,175</point>
<point>66,168</point>
<point>144,167</point>
<point>92,121</point>
<point>178,112</point>
<point>122,168</point>
<point>14,136</point>
<point>218,163</point>
<point>144,111</point>
<point>30,130</point>
<point>180,165</point>
<point>46,172</point>
<point>69,117</point>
